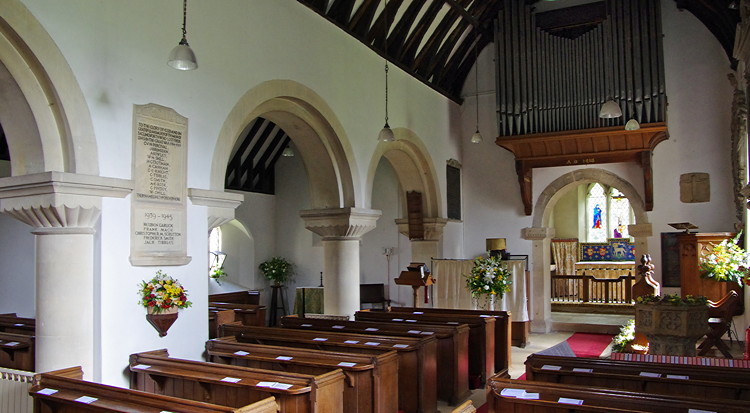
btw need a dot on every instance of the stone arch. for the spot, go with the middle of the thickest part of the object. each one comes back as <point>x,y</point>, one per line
<point>316,132</point>
<point>415,170</point>
<point>541,234</point>
<point>42,108</point>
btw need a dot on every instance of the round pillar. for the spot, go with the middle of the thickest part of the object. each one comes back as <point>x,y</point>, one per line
<point>341,276</point>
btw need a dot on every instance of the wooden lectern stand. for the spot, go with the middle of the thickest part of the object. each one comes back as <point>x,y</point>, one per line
<point>416,275</point>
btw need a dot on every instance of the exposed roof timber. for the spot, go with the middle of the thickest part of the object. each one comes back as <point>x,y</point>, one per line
<point>432,40</point>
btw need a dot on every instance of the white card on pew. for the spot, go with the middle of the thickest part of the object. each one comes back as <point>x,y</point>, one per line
<point>372,343</point>
<point>582,370</point>
<point>411,321</point>
<point>282,386</point>
<point>512,392</point>
<point>699,411</point>
<point>86,399</point>
<point>427,333</point>
<point>306,325</point>
<point>397,319</point>
<point>320,339</point>
<point>241,353</point>
<point>265,384</point>
<point>142,366</point>
<point>351,341</point>
<point>529,396</point>
<point>371,329</point>
<point>12,343</point>
<point>565,400</point>
<point>418,312</point>
<point>337,327</point>
<point>485,316</point>
<point>677,376</point>
<point>346,364</point>
<point>401,345</point>
<point>452,322</point>
<point>231,379</point>
<point>47,391</point>
<point>287,358</point>
<point>19,324</point>
<point>414,332</point>
<point>165,411</point>
<point>649,374</point>
<point>551,367</point>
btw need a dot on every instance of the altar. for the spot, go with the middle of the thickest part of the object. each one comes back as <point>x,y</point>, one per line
<point>312,298</point>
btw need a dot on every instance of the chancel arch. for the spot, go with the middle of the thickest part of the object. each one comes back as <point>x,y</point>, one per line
<point>542,233</point>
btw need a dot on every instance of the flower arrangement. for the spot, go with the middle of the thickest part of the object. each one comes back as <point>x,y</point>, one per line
<point>277,269</point>
<point>726,261</point>
<point>624,342</point>
<point>673,299</point>
<point>489,277</point>
<point>162,293</point>
<point>217,273</point>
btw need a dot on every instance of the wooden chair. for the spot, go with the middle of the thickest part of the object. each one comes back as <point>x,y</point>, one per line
<point>720,315</point>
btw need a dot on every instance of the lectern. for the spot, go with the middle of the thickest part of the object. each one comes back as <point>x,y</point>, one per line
<point>416,275</point>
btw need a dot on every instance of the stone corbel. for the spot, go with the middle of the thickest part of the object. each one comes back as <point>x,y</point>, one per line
<point>340,223</point>
<point>537,233</point>
<point>59,201</point>
<point>221,205</point>
<point>640,230</point>
<point>433,227</point>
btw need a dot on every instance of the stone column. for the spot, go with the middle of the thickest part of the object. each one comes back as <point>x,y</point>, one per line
<point>63,209</point>
<point>640,234</point>
<point>431,246</point>
<point>341,230</point>
<point>540,308</point>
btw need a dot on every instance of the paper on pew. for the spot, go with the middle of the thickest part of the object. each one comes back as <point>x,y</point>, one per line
<point>320,339</point>
<point>231,379</point>
<point>565,400</point>
<point>12,343</point>
<point>86,399</point>
<point>351,341</point>
<point>649,374</point>
<point>582,370</point>
<point>551,367</point>
<point>401,345</point>
<point>241,353</point>
<point>414,332</point>
<point>47,391</point>
<point>371,329</point>
<point>306,325</point>
<point>677,376</point>
<point>284,358</point>
<point>337,327</point>
<point>512,392</point>
<point>274,385</point>
<point>142,366</point>
<point>346,364</point>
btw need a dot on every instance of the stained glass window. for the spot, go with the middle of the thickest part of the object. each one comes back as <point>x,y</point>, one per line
<point>608,213</point>
<point>619,214</point>
<point>596,205</point>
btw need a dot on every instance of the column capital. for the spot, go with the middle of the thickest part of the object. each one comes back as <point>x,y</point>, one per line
<point>537,233</point>
<point>340,223</point>
<point>50,200</point>
<point>433,227</point>
<point>640,230</point>
<point>221,205</point>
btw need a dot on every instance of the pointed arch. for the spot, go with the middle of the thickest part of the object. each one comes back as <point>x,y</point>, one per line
<point>316,132</point>
<point>42,108</point>
<point>414,168</point>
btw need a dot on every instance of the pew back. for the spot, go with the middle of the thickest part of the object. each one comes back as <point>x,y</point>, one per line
<point>247,314</point>
<point>64,391</point>
<point>11,323</point>
<point>371,380</point>
<point>156,372</point>
<point>673,379</point>
<point>17,351</point>
<point>240,297</point>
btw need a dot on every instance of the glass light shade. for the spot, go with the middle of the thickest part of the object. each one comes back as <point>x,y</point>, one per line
<point>610,109</point>
<point>288,152</point>
<point>632,125</point>
<point>386,134</point>
<point>182,57</point>
<point>476,137</point>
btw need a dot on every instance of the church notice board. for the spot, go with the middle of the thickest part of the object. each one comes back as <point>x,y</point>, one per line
<point>158,216</point>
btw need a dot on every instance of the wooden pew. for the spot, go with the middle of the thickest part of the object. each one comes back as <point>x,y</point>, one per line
<point>707,382</point>
<point>481,337</point>
<point>156,372</point>
<point>503,328</point>
<point>371,384</point>
<point>247,314</point>
<point>452,347</point>
<point>71,395</point>
<point>217,317</point>
<point>503,396</point>
<point>17,351</point>
<point>11,323</point>
<point>239,297</point>
<point>417,386</point>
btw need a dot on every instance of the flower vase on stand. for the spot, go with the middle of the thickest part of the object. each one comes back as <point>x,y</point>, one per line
<point>162,320</point>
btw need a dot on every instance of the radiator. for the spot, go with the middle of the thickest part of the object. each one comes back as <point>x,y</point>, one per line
<point>14,391</point>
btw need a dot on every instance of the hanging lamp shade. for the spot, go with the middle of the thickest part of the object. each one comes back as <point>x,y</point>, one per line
<point>610,109</point>
<point>476,137</point>
<point>288,152</point>
<point>632,125</point>
<point>386,134</point>
<point>182,56</point>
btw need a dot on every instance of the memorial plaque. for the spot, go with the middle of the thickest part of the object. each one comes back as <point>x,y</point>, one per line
<point>158,208</point>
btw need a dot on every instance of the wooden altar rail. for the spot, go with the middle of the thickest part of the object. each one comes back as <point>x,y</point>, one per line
<point>589,289</point>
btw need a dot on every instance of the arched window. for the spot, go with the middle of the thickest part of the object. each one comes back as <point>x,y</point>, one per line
<point>608,213</point>
<point>214,247</point>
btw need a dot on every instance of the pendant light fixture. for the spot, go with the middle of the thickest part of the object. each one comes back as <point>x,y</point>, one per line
<point>476,137</point>
<point>386,134</point>
<point>182,56</point>
<point>610,109</point>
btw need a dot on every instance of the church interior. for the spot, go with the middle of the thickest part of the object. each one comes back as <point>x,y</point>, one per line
<point>193,191</point>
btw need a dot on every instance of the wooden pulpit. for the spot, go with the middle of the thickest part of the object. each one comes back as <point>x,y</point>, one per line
<point>416,275</point>
<point>692,247</point>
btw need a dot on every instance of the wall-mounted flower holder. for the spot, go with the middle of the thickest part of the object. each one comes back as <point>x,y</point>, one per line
<point>163,320</point>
